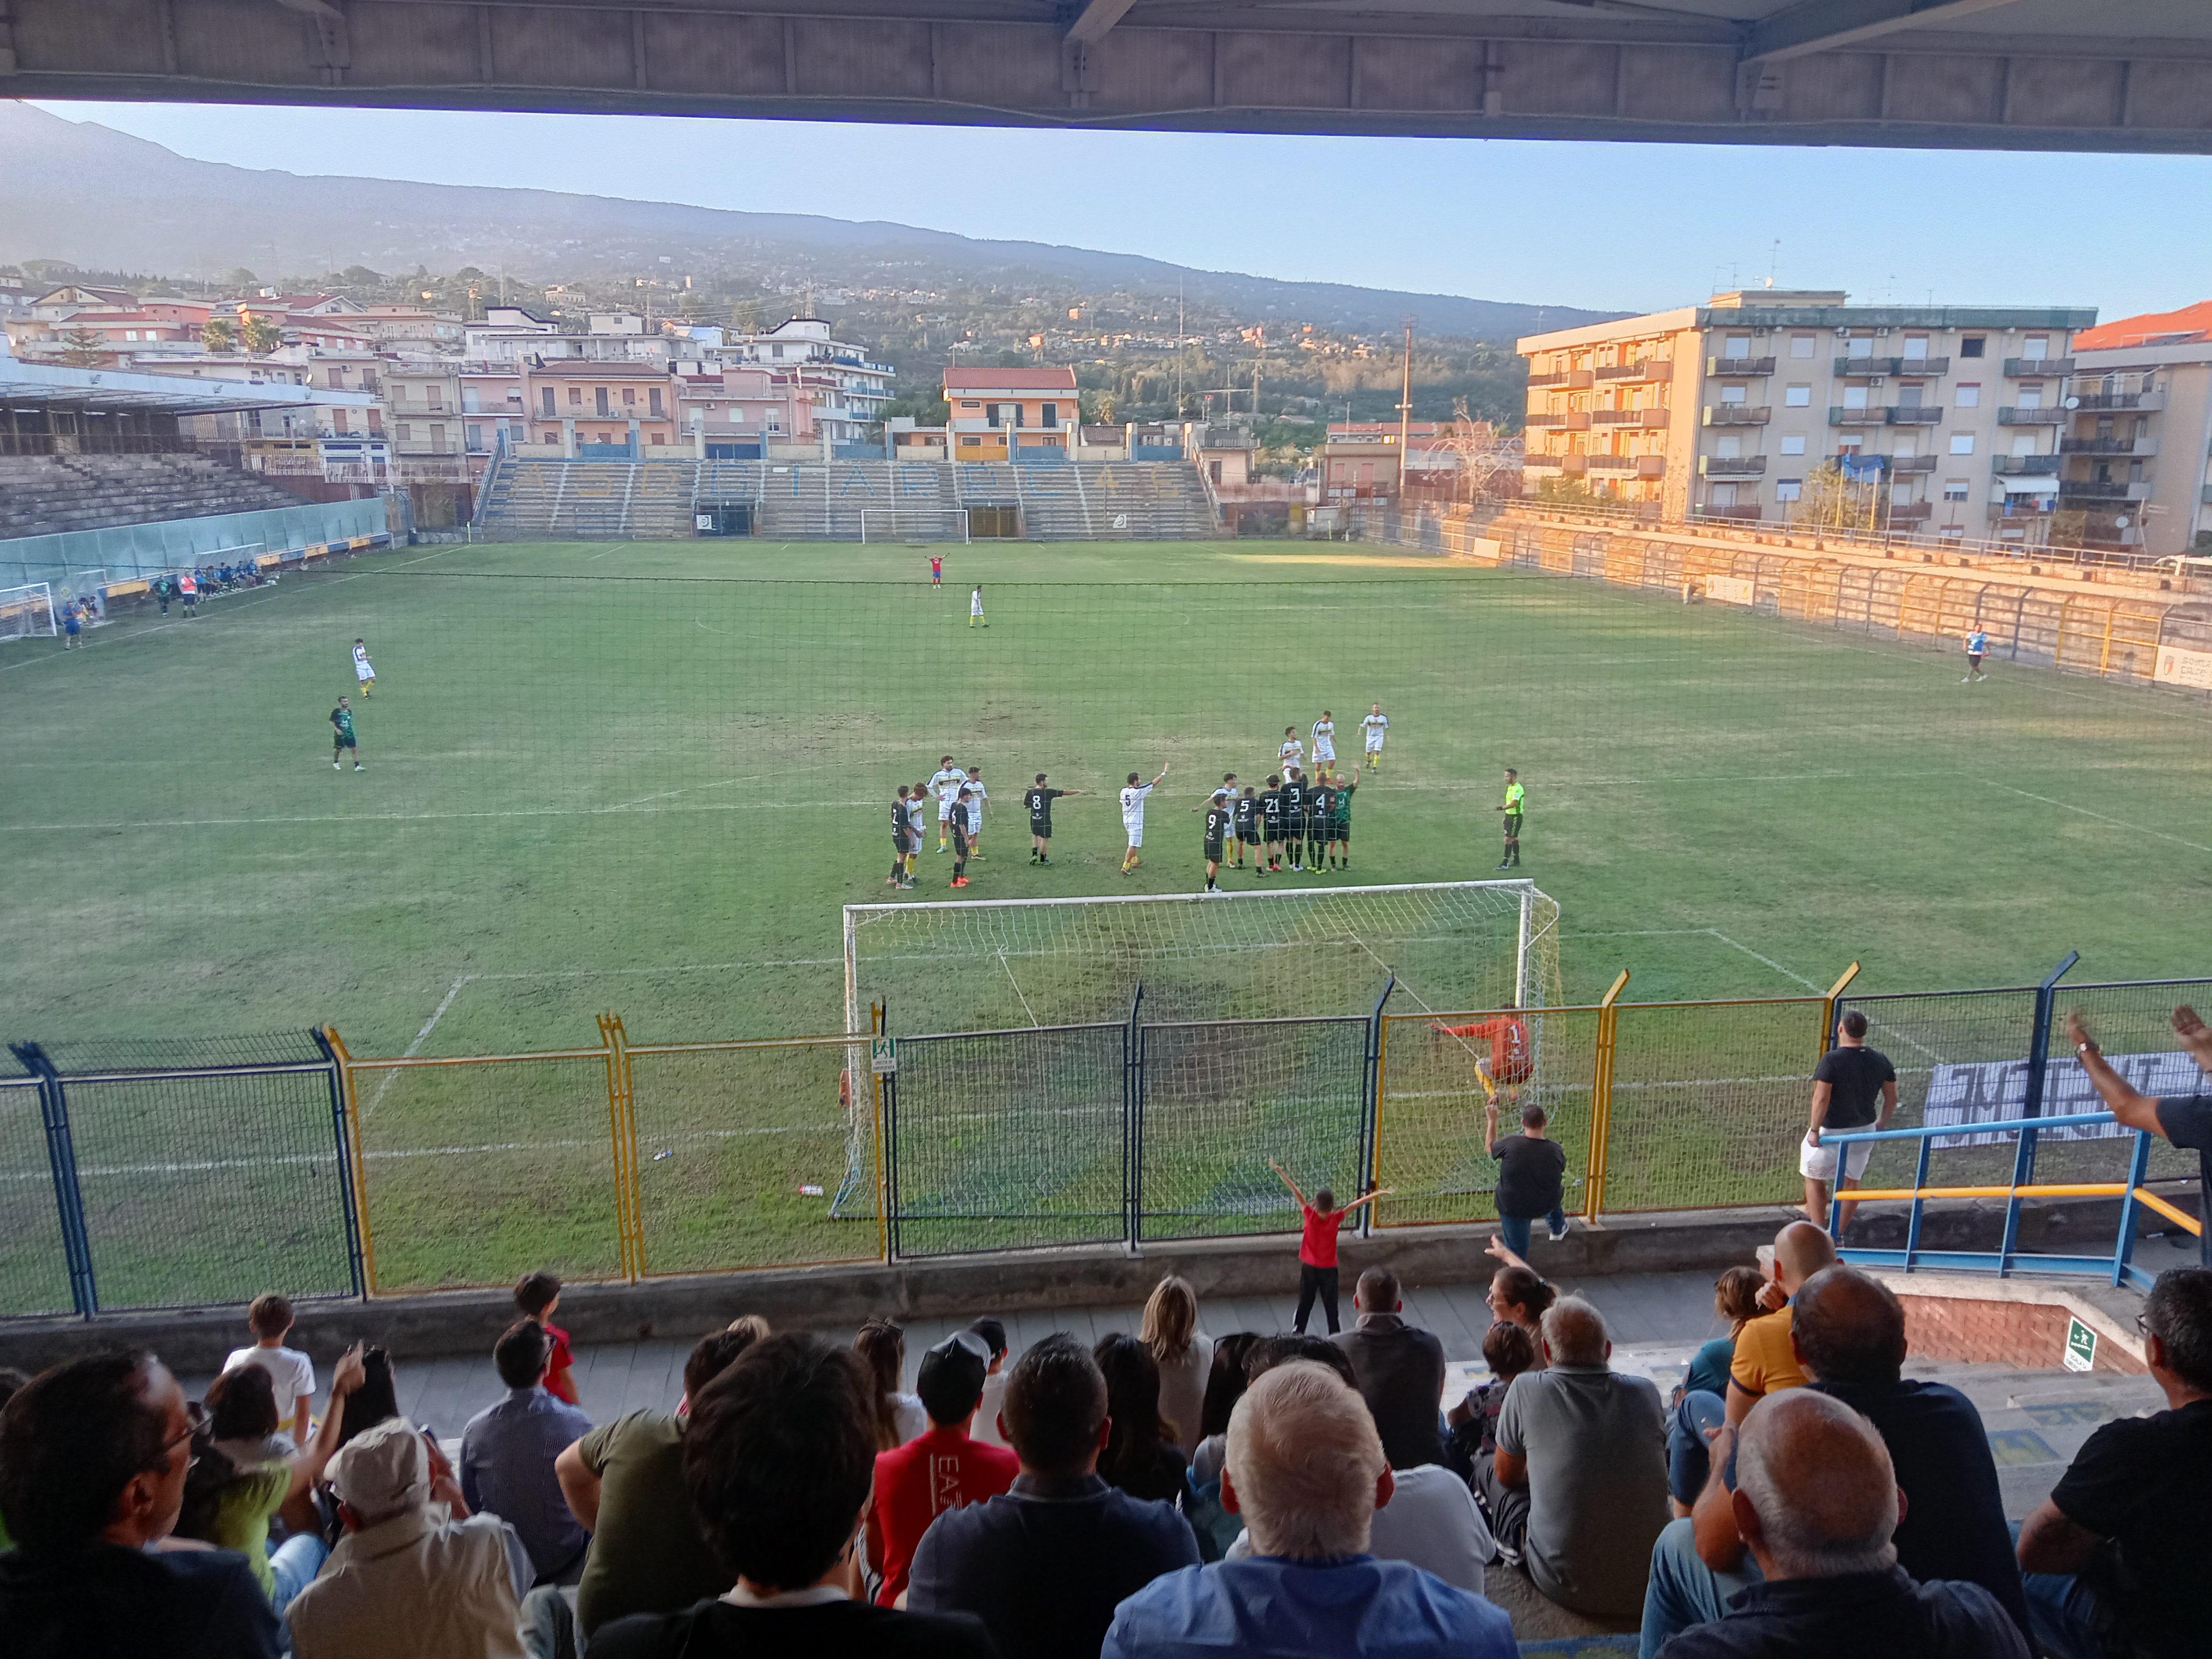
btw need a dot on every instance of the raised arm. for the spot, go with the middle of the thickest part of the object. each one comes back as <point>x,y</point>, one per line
<point>1380,1191</point>
<point>2137,1111</point>
<point>307,1464</point>
<point>1489,1123</point>
<point>2196,1035</point>
<point>1291,1184</point>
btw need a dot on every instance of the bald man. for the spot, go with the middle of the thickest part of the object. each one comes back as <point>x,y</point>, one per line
<point>1817,1502</point>
<point>1764,1363</point>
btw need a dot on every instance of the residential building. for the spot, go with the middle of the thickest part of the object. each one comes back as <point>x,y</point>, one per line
<point>734,411</point>
<point>1360,460</point>
<point>1722,410</point>
<point>2138,428</point>
<point>423,416</point>
<point>491,405</point>
<point>995,409</point>
<point>847,391</point>
<point>58,302</point>
<point>600,409</point>
<point>411,326</point>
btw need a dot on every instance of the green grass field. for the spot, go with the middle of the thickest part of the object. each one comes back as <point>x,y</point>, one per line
<point>646,778</point>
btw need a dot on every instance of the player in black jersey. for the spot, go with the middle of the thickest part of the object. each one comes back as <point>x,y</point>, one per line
<point>1227,792</point>
<point>1340,823</point>
<point>961,803</point>
<point>1039,801</point>
<point>1246,814</point>
<point>1295,789</point>
<point>902,840</point>
<point>1218,817</point>
<point>1321,805</point>
<point>1271,824</point>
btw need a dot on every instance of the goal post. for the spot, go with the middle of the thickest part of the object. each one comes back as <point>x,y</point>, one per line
<point>28,612</point>
<point>914,524</point>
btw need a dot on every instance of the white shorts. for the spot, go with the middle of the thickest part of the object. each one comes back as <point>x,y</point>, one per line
<point>1324,751</point>
<point>1818,1162</point>
<point>944,810</point>
<point>1135,827</point>
<point>363,673</point>
<point>975,822</point>
<point>1374,745</point>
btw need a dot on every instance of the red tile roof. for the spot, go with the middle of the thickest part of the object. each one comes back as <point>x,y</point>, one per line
<point>1010,379</point>
<point>2183,327</point>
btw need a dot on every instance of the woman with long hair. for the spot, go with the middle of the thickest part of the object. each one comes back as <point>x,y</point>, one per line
<point>1224,1387</point>
<point>1184,1354</point>
<point>1519,1294</point>
<point>1141,1456</point>
<point>899,1417</point>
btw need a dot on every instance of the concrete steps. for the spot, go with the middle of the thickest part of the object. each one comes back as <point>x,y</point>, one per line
<point>47,494</point>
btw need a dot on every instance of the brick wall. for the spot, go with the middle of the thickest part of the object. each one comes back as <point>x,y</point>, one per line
<point>2024,1333</point>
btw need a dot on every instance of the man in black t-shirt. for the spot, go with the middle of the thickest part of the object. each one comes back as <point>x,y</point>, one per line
<point>2115,1556</point>
<point>1039,801</point>
<point>1294,816</point>
<point>902,840</point>
<point>1321,806</point>
<point>2184,1119</point>
<point>1271,824</point>
<point>1853,1087</point>
<point>1218,816</point>
<point>1531,1176</point>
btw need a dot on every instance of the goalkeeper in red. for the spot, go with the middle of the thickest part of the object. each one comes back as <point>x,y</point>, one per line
<point>1511,1063</point>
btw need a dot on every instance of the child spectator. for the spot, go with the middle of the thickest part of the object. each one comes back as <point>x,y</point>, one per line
<point>1507,1350</point>
<point>538,1295</point>
<point>1185,1354</point>
<point>943,1469</point>
<point>291,1372</point>
<point>1319,1222</point>
<point>993,1333</point>
<point>243,1420</point>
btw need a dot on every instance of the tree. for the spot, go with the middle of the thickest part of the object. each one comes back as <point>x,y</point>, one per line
<point>259,335</point>
<point>217,334</point>
<point>80,348</point>
<point>1829,501</point>
<point>242,279</point>
<point>1110,409</point>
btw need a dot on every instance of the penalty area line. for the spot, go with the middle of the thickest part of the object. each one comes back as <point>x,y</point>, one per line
<point>2101,817</point>
<point>421,1037</point>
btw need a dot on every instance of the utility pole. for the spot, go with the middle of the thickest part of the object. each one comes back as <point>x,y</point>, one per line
<point>1179,348</point>
<point>1405,410</point>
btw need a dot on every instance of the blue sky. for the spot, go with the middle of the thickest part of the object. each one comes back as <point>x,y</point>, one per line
<point>1626,226</point>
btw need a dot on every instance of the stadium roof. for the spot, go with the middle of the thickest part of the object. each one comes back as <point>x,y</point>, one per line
<point>25,384</point>
<point>2117,74</point>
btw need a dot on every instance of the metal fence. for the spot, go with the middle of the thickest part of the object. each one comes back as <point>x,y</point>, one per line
<point>178,1174</point>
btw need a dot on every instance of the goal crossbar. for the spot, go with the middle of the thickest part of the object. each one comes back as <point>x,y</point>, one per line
<point>28,611</point>
<point>942,524</point>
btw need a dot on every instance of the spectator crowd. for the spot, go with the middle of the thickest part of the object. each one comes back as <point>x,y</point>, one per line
<point>1150,1495</point>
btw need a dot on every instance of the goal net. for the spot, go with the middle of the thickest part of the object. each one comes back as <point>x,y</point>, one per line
<point>1028,970</point>
<point>914,524</point>
<point>26,612</point>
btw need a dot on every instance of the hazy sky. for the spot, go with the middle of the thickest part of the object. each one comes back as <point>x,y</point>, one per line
<point>1615,226</point>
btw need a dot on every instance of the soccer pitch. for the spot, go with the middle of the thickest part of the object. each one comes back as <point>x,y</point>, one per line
<point>646,778</point>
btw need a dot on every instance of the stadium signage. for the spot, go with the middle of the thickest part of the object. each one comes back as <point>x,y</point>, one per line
<point>2080,1353</point>
<point>883,1056</point>
<point>1735,590</point>
<point>2177,667</point>
<point>1996,1091</point>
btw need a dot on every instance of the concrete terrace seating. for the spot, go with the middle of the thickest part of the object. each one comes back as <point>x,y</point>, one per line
<point>44,494</point>
<point>800,501</point>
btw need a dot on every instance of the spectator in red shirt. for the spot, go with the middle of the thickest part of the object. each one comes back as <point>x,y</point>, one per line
<point>1319,1221</point>
<point>538,1296</point>
<point>942,1468</point>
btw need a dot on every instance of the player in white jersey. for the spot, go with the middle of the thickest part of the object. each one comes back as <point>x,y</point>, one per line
<point>975,608</point>
<point>976,795</point>
<point>945,784</point>
<point>1132,816</point>
<point>1324,736</point>
<point>1376,726</point>
<point>917,807</point>
<point>1293,751</point>
<point>362,671</point>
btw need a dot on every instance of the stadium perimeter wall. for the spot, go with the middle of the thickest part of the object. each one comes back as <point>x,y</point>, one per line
<point>2041,607</point>
<point>131,554</point>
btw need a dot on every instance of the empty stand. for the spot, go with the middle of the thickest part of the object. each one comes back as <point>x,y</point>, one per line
<point>47,494</point>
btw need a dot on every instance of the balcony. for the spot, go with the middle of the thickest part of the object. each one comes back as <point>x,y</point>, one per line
<point>1909,512</point>
<point>2022,507</point>
<point>1859,367</point>
<point>1650,419</point>
<point>1915,413</point>
<point>1642,466</point>
<point>1731,466</point>
<point>2108,445</point>
<point>1533,462</point>
<point>1732,367</point>
<point>1573,379</point>
<point>2030,368</point>
<point>2031,416</point>
<point>2144,400</point>
<point>1573,420</point>
<point>2024,466</point>
<point>1737,414</point>
<point>1651,368</point>
<point>2085,492</point>
<point>1912,464</point>
<point>1876,415</point>
<point>1750,510</point>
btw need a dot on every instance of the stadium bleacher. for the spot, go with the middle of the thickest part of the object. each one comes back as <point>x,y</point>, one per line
<point>44,495</point>
<point>656,501</point>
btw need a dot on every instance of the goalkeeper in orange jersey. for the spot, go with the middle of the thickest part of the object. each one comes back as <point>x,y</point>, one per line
<point>1511,1061</point>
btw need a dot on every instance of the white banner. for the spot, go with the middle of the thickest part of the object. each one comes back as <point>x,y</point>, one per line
<point>1996,1091</point>
<point>2177,667</point>
<point>1737,590</point>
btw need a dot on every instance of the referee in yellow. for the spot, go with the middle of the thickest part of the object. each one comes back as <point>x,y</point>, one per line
<point>1512,811</point>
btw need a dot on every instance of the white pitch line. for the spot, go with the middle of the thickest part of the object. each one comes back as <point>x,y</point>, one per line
<point>424,817</point>
<point>421,1037</point>
<point>2101,817</point>
<point>1768,961</point>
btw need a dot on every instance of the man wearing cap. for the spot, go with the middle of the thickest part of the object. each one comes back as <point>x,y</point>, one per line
<point>407,1581</point>
<point>940,1469</point>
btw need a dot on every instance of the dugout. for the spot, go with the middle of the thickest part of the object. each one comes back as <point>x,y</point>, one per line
<point>724,518</point>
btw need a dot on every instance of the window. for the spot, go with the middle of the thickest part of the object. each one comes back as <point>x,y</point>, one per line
<point>970,402</point>
<point>2023,443</point>
<point>658,437</point>
<point>1962,443</point>
<point>1730,448</point>
<point>1803,345</point>
<point>599,402</point>
<point>1971,346</point>
<point>1789,490</point>
<point>546,399</point>
<point>1859,345</point>
<point>629,394</point>
<point>339,421</point>
<point>406,432</point>
<point>1732,396</point>
<point>576,394</point>
<point>1951,532</point>
<point>1900,493</point>
<point>1970,394</point>
<point>436,395</point>
<point>1723,494</point>
<point>1916,347</point>
<point>437,436</point>
<point>1739,345</point>
<point>1794,444</point>
<point>475,435</point>
<point>1908,397</point>
<point>1855,396</point>
<point>1902,448</point>
<point>1955,489</point>
<point>1797,397</point>
<point>2035,348</point>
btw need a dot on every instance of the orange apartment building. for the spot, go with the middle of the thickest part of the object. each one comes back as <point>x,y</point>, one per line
<point>994,409</point>
<point>586,409</point>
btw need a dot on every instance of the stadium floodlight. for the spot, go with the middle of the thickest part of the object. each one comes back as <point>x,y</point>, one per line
<point>914,524</point>
<point>26,612</point>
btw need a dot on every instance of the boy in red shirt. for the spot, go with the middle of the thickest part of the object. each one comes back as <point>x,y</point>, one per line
<point>939,1469</point>
<point>538,1296</point>
<point>1319,1222</point>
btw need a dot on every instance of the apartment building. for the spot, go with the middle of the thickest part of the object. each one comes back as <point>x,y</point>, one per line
<point>997,410</point>
<point>846,392</point>
<point>423,416</point>
<point>1722,410</point>
<point>601,411</point>
<point>2138,429</point>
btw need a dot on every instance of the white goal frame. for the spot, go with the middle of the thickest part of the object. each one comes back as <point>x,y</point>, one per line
<point>20,608</point>
<point>887,528</point>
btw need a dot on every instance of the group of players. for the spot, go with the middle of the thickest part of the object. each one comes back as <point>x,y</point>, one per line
<point>1305,818</point>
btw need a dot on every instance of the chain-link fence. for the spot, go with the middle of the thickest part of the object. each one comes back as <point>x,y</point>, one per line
<point>34,1274</point>
<point>1960,1057</point>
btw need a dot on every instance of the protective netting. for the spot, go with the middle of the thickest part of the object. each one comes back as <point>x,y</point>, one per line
<point>1008,1139</point>
<point>1429,1138</point>
<point>478,1172</point>
<point>33,1266</point>
<point>1959,1056</point>
<point>1220,1100</point>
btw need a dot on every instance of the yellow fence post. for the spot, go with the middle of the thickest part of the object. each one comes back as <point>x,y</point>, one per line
<point>622,1129</point>
<point>1608,1023</point>
<point>1828,1009</point>
<point>356,1174</point>
<point>883,1190</point>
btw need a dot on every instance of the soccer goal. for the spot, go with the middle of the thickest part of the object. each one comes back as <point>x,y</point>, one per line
<point>914,524</point>
<point>26,612</point>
